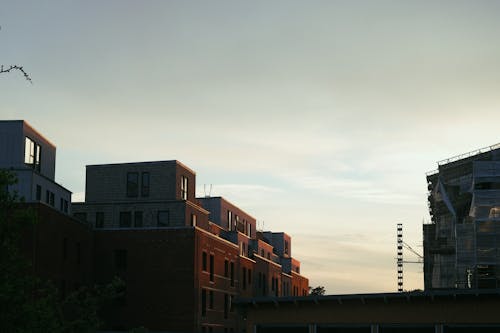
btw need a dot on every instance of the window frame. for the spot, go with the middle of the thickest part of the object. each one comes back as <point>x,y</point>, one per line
<point>132,188</point>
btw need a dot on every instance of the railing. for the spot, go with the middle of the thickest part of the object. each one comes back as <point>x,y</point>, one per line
<point>469,154</point>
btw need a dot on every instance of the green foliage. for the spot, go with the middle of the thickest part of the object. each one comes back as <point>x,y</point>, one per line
<point>27,303</point>
<point>318,291</point>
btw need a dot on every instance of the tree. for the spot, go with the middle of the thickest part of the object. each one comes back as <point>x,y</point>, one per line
<point>8,69</point>
<point>317,291</point>
<point>28,303</point>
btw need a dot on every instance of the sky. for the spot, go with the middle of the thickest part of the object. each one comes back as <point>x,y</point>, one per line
<point>318,118</point>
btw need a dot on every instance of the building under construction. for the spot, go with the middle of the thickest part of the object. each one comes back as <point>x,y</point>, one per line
<point>462,242</point>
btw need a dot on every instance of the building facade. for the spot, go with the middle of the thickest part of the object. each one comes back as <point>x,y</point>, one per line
<point>462,242</point>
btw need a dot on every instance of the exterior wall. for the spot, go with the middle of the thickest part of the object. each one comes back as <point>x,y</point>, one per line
<point>246,277</point>
<point>281,242</point>
<point>108,182</point>
<point>300,285</point>
<point>60,248</point>
<point>220,279</point>
<point>159,274</point>
<point>267,270</point>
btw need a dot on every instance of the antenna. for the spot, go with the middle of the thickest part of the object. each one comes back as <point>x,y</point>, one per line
<point>400,256</point>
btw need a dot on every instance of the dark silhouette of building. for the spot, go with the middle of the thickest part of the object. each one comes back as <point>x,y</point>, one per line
<point>184,260</point>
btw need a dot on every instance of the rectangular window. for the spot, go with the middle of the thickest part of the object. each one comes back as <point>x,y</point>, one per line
<point>249,276</point>
<point>121,260</point>
<point>244,276</point>
<point>203,302</point>
<point>47,197</point>
<point>193,220</point>
<point>99,219</point>
<point>226,268</point>
<point>38,193</point>
<point>145,184</point>
<point>32,154</point>
<point>132,184</point>
<point>204,261</point>
<point>212,267</point>
<point>82,217</point>
<point>65,206</point>
<point>260,280</point>
<point>231,272</point>
<point>226,305</point>
<point>229,220</point>
<point>61,204</point>
<point>125,219</point>
<point>211,299</point>
<point>138,219</point>
<point>163,218</point>
<point>52,199</point>
<point>184,187</point>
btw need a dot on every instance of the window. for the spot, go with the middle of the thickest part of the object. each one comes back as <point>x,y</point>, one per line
<point>38,193</point>
<point>138,219</point>
<point>211,299</point>
<point>145,184</point>
<point>163,218</point>
<point>47,197</point>
<point>32,154</point>
<point>203,302</point>
<point>249,276</point>
<point>226,305</point>
<point>244,276</point>
<point>204,261</point>
<point>286,247</point>
<point>132,184</point>
<point>121,260</point>
<point>232,273</point>
<point>52,199</point>
<point>82,217</point>
<point>212,267</point>
<point>65,206</point>
<point>99,219</point>
<point>229,219</point>
<point>226,268</point>
<point>61,204</point>
<point>193,220</point>
<point>125,219</point>
<point>184,187</point>
<point>262,253</point>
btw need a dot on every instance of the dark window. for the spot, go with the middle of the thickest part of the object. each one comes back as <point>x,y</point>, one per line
<point>121,260</point>
<point>78,253</point>
<point>145,184</point>
<point>226,268</point>
<point>264,283</point>
<point>65,206</point>
<point>204,261</point>
<point>203,302</point>
<point>132,184</point>
<point>32,154</point>
<point>232,273</point>
<point>163,218</point>
<point>260,280</point>
<point>286,247</point>
<point>244,276</point>
<point>99,219</point>
<point>138,219</point>
<point>47,197</point>
<point>81,216</point>
<point>65,248</point>
<point>61,204</point>
<point>38,192</point>
<point>249,276</point>
<point>52,199</point>
<point>125,219</point>
<point>184,187</point>
<point>212,267</point>
<point>211,299</point>
<point>226,305</point>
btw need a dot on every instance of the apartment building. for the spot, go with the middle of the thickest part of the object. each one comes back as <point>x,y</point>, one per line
<point>462,242</point>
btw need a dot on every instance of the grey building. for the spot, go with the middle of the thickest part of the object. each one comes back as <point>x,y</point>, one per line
<point>32,157</point>
<point>462,242</point>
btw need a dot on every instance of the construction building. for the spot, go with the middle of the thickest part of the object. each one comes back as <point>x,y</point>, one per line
<point>184,260</point>
<point>462,242</point>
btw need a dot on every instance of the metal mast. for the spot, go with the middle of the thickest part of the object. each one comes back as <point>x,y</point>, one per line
<point>400,257</point>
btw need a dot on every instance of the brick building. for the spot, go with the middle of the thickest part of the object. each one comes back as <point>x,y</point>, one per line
<point>184,259</point>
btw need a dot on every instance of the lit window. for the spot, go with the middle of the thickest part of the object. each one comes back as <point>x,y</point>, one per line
<point>32,154</point>
<point>184,187</point>
<point>145,184</point>
<point>229,219</point>
<point>132,184</point>
<point>163,218</point>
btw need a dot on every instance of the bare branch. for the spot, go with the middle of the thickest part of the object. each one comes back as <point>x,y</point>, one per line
<point>18,68</point>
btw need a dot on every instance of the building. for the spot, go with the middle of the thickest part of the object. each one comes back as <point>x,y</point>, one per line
<point>459,311</point>
<point>462,242</point>
<point>184,259</point>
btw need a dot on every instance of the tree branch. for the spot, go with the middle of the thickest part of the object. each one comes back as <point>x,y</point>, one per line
<point>15,67</point>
